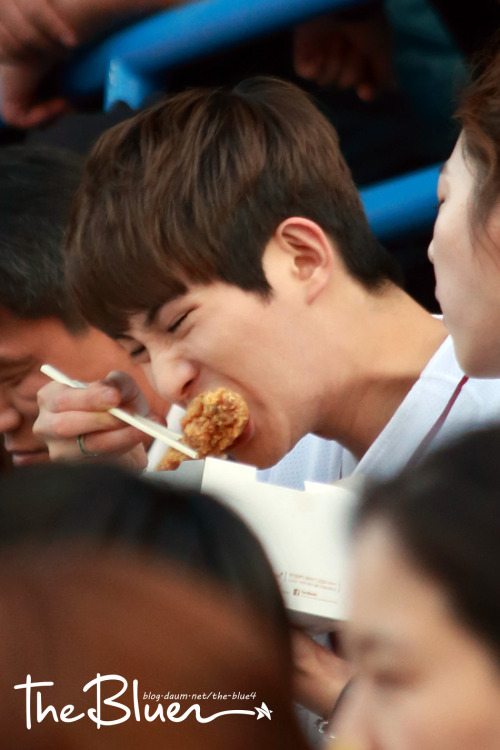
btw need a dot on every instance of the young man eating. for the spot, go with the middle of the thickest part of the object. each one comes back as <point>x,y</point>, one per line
<point>218,236</point>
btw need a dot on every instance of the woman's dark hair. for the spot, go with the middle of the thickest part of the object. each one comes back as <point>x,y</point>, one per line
<point>479,115</point>
<point>108,507</point>
<point>446,512</point>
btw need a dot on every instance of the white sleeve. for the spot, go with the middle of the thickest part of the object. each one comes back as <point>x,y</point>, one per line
<point>157,447</point>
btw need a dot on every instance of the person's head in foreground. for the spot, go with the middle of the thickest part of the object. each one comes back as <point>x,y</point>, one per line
<point>465,248</point>
<point>107,507</point>
<point>220,236</point>
<point>92,622</point>
<point>424,630</point>
<point>38,321</point>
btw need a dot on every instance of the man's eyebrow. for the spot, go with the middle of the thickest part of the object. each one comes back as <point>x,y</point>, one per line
<point>152,313</point>
<point>155,309</point>
<point>121,337</point>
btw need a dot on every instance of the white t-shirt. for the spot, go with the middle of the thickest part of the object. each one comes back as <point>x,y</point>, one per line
<point>477,404</point>
<point>316,459</point>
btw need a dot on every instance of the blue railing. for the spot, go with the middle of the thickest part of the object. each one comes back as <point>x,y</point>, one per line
<point>126,63</point>
<point>402,205</point>
<point>182,34</point>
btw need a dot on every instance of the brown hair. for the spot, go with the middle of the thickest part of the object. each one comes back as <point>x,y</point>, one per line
<point>192,190</point>
<point>479,114</point>
<point>68,614</point>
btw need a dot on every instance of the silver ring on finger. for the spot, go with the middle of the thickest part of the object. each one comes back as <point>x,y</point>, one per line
<point>83,450</point>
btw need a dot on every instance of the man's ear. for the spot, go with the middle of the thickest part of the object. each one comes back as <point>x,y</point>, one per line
<point>310,252</point>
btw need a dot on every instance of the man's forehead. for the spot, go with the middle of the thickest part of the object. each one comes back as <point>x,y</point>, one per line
<point>22,339</point>
<point>135,324</point>
<point>15,345</point>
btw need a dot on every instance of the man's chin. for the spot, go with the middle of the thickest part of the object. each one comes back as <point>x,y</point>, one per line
<point>27,458</point>
<point>255,454</point>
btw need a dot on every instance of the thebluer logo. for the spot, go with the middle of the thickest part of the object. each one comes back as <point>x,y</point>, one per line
<point>161,713</point>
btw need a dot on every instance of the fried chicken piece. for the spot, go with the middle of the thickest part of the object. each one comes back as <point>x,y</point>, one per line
<point>211,424</point>
<point>171,459</point>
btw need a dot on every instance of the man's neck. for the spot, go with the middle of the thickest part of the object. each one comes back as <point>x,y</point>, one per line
<point>395,339</point>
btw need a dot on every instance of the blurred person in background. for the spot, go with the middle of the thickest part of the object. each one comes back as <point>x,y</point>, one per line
<point>465,247</point>
<point>348,48</point>
<point>36,34</point>
<point>424,628</point>
<point>38,323</point>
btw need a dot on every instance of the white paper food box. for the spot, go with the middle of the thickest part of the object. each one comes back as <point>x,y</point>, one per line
<point>304,533</point>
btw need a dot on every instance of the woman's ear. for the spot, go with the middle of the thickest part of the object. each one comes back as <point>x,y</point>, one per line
<point>310,253</point>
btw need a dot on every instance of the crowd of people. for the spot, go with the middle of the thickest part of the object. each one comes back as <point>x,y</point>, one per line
<point>217,239</point>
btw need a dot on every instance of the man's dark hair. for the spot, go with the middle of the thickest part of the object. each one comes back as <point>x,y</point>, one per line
<point>446,514</point>
<point>192,190</point>
<point>37,186</point>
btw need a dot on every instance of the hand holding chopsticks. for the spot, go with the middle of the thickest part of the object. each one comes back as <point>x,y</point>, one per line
<point>144,424</point>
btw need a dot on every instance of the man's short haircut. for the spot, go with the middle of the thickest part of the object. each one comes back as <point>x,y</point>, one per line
<point>37,186</point>
<point>192,190</point>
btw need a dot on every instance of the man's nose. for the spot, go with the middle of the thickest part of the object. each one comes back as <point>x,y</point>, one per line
<point>173,379</point>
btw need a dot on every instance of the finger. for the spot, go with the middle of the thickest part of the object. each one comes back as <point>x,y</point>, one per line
<point>366,92</point>
<point>333,61</point>
<point>24,36</point>
<point>24,116</point>
<point>26,46</point>
<point>308,67</point>
<point>11,48</point>
<point>69,424</point>
<point>306,60</point>
<point>130,393</point>
<point>43,25</point>
<point>312,43</point>
<point>57,26</point>
<point>372,85</point>
<point>105,445</point>
<point>98,397</point>
<point>350,72</point>
<point>61,28</point>
<point>114,443</point>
